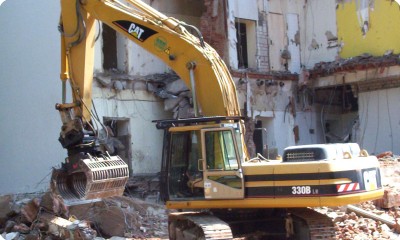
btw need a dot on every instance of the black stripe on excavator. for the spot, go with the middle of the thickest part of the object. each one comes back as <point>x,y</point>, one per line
<point>292,191</point>
<point>136,30</point>
<point>353,175</point>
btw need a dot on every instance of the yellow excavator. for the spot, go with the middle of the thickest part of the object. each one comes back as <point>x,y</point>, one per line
<point>206,173</point>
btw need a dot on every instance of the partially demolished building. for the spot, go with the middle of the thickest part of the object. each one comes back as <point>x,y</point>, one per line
<point>307,71</point>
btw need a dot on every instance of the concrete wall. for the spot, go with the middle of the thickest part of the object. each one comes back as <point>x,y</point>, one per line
<point>309,123</point>
<point>279,132</point>
<point>379,129</point>
<point>318,23</point>
<point>304,28</point>
<point>30,87</point>
<point>378,108</point>
<point>141,108</point>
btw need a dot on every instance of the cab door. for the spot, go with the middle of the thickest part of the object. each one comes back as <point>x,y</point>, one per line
<point>222,171</point>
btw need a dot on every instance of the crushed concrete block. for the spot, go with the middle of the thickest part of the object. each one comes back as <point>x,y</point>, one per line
<point>5,208</point>
<point>176,87</point>
<point>9,226</point>
<point>65,229</point>
<point>32,237</point>
<point>12,236</point>
<point>21,228</point>
<point>54,203</point>
<point>117,238</point>
<point>30,210</point>
<point>113,220</point>
<point>391,198</point>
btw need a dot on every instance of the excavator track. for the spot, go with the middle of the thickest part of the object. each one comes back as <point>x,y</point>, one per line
<point>197,226</point>
<point>319,225</point>
<point>308,224</point>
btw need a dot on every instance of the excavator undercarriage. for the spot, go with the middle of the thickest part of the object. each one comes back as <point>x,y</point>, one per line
<point>273,224</point>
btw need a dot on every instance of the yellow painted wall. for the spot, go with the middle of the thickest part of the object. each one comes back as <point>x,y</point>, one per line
<point>383,33</point>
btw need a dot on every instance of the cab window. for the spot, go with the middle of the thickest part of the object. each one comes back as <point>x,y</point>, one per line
<point>220,150</point>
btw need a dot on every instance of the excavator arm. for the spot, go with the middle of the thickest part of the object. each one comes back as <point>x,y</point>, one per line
<point>89,172</point>
<point>164,37</point>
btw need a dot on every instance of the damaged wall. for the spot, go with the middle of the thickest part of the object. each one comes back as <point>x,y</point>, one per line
<point>141,108</point>
<point>374,123</point>
<point>271,102</point>
<point>368,26</point>
<point>320,38</point>
<point>300,33</point>
<point>240,12</point>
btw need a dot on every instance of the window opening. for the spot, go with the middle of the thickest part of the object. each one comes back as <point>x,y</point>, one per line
<point>241,45</point>
<point>220,151</point>
<point>185,179</point>
<point>109,36</point>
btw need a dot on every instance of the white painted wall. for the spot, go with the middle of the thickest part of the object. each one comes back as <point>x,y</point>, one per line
<point>135,60</point>
<point>313,18</point>
<point>30,87</point>
<point>244,9</point>
<point>379,129</point>
<point>316,18</point>
<point>142,108</point>
<point>309,120</point>
<point>279,133</point>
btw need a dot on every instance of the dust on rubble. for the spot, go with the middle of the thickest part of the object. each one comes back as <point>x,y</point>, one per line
<point>46,217</point>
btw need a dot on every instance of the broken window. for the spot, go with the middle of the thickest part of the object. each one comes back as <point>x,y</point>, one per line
<point>339,96</point>
<point>246,43</point>
<point>339,113</point>
<point>258,137</point>
<point>109,48</point>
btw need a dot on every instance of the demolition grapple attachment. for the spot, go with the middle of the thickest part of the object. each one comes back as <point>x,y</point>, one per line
<point>91,178</point>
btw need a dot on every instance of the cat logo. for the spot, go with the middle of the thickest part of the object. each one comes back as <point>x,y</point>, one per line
<point>136,30</point>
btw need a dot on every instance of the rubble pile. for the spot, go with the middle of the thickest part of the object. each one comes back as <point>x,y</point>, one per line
<point>350,225</point>
<point>355,63</point>
<point>46,217</point>
<point>390,171</point>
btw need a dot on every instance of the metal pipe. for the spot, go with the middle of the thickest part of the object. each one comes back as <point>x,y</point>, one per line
<point>191,66</point>
<point>361,212</point>
<point>64,91</point>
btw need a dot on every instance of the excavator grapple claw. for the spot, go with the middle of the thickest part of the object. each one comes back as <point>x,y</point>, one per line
<point>97,178</point>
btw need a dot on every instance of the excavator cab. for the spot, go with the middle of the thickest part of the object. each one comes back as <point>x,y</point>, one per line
<point>202,161</point>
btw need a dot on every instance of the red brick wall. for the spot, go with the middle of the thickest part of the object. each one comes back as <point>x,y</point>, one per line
<point>378,84</point>
<point>212,27</point>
